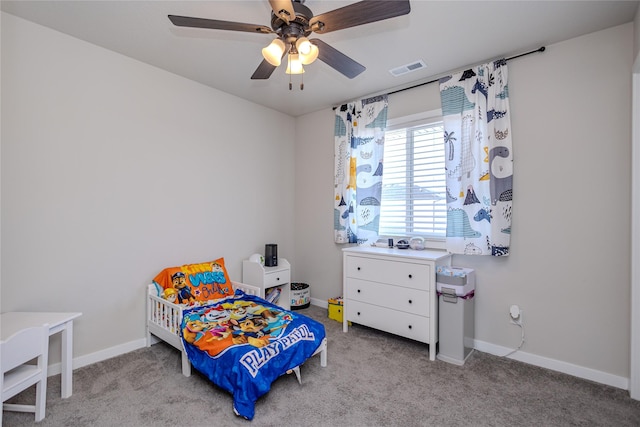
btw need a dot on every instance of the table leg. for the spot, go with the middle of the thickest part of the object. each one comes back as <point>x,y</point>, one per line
<point>67,360</point>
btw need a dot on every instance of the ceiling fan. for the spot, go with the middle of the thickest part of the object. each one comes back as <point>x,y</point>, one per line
<point>292,22</point>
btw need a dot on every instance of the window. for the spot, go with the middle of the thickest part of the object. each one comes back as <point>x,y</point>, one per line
<point>414,183</point>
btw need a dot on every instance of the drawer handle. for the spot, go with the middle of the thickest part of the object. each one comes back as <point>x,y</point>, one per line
<point>358,313</point>
<point>358,268</point>
<point>409,326</point>
<point>358,290</point>
<point>410,276</point>
<point>410,302</point>
<point>277,279</point>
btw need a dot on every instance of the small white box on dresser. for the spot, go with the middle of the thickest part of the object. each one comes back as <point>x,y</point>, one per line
<point>393,290</point>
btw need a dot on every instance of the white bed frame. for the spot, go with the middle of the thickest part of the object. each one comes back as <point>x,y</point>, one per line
<point>164,319</point>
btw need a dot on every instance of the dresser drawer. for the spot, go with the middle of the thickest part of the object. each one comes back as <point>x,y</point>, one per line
<point>388,320</point>
<point>414,301</point>
<point>277,278</point>
<point>401,273</point>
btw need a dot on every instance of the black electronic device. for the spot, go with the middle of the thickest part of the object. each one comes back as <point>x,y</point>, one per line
<point>270,255</point>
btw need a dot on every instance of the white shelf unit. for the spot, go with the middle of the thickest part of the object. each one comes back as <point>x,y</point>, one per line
<point>393,290</point>
<point>265,278</point>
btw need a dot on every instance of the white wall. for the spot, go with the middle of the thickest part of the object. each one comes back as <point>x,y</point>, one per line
<point>99,153</point>
<point>636,40</point>
<point>569,267</point>
<point>113,170</point>
<point>634,380</point>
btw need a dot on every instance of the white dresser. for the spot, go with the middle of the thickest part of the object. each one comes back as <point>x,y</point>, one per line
<point>393,290</point>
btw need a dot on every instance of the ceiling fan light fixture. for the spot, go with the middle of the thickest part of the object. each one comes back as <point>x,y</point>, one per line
<point>308,58</point>
<point>273,52</point>
<point>294,66</point>
<point>303,45</point>
<point>292,22</point>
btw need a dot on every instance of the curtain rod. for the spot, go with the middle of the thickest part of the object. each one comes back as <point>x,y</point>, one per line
<point>540,49</point>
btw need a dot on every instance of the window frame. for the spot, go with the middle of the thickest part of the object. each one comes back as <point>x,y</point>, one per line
<point>418,119</point>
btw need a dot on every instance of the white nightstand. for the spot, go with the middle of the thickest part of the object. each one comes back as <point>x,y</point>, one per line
<point>256,274</point>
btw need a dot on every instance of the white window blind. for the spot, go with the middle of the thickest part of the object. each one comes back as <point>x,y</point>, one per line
<point>414,182</point>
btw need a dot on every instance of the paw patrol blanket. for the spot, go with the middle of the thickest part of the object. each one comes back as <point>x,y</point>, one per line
<point>243,343</point>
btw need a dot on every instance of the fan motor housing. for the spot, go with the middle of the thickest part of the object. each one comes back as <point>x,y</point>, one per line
<point>297,27</point>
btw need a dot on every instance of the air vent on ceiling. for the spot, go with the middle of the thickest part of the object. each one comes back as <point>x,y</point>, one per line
<point>414,66</point>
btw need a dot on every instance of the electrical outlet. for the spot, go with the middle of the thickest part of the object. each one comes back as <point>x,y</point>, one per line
<point>515,313</point>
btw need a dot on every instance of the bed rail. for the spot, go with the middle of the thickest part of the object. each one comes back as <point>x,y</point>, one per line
<point>164,319</point>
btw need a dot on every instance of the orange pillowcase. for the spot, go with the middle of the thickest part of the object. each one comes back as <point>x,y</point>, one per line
<point>195,282</point>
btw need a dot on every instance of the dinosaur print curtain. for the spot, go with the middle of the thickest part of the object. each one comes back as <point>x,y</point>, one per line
<point>359,148</point>
<point>479,160</point>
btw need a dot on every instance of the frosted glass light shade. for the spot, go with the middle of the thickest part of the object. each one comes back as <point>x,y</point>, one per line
<point>294,66</point>
<point>303,45</point>
<point>273,52</point>
<point>308,58</point>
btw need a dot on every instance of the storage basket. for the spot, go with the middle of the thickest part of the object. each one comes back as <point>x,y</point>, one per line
<point>300,296</point>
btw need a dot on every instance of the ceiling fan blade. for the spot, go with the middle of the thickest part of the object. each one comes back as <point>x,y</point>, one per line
<point>360,13</point>
<point>337,60</point>
<point>264,71</point>
<point>214,24</point>
<point>283,9</point>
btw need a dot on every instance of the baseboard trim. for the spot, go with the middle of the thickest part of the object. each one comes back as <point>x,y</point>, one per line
<point>99,356</point>
<point>555,365</point>
<point>320,302</point>
<point>485,347</point>
<point>543,362</point>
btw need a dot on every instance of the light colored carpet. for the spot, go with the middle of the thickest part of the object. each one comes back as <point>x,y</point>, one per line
<point>372,379</point>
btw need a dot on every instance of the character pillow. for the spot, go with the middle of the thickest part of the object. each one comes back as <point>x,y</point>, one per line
<point>193,283</point>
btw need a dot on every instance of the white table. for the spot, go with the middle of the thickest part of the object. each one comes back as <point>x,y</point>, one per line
<point>15,321</point>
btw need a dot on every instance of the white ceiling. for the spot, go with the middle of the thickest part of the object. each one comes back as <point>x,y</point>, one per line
<point>447,35</point>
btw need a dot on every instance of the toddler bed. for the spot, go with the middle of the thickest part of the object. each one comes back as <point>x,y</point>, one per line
<point>238,340</point>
